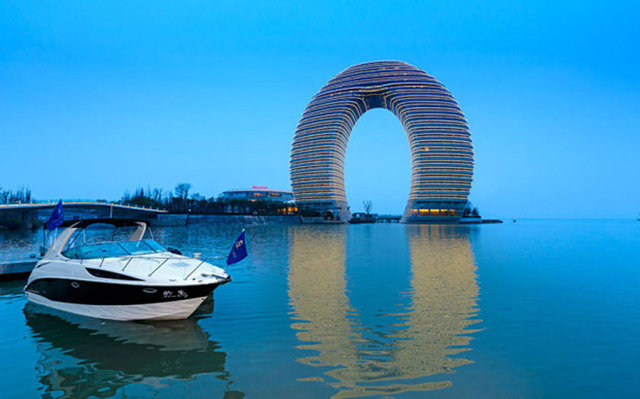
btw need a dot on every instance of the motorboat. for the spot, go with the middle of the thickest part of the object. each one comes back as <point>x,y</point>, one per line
<point>130,276</point>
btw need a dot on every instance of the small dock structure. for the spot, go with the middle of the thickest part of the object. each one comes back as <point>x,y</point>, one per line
<point>16,270</point>
<point>388,218</point>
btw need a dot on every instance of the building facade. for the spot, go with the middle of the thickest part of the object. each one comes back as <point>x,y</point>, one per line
<point>257,194</point>
<point>438,134</point>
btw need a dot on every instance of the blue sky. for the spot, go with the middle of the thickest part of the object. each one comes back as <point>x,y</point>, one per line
<point>99,97</point>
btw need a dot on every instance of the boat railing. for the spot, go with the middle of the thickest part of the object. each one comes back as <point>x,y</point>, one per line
<point>164,259</point>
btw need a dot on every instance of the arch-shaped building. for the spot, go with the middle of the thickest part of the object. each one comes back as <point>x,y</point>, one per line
<point>438,134</point>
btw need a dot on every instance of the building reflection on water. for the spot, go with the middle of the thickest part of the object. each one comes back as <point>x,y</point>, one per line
<point>411,349</point>
<point>85,357</point>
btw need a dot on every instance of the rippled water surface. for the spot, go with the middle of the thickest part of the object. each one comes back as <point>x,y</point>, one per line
<point>529,309</point>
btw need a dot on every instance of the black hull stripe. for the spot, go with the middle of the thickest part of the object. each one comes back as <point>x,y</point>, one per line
<point>104,293</point>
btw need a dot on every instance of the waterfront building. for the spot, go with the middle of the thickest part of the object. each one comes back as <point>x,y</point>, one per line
<point>257,193</point>
<point>438,134</point>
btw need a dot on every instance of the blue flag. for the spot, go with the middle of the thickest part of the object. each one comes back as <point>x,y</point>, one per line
<point>56,218</point>
<point>238,251</point>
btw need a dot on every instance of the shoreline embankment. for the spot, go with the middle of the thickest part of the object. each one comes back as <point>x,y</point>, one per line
<point>168,219</point>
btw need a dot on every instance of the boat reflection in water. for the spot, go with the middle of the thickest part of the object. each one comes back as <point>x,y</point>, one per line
<point>11,289</point>
<point>414,342</point>
<point>82,356</point>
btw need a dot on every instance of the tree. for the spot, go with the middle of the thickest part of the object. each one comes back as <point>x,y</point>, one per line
<point>182,190</point>
<point>156,194</point>
<point>4,196</point>
<point>20,196</point>
<point>368,205</point>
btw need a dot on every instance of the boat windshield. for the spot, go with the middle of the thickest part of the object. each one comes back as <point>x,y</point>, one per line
<point>114,249</point>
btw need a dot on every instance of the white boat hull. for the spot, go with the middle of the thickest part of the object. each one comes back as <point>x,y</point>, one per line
<point>172,310</point>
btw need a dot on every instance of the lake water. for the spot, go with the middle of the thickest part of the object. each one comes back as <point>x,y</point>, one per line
<point>533,309</point>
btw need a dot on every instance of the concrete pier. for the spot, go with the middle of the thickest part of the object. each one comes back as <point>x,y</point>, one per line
<point>17,269</point>
<point>29,216</point>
